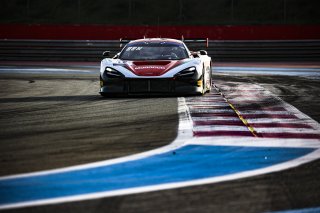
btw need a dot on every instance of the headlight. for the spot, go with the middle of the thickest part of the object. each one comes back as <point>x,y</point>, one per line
<point>112,73</point>
<point>189,72</point>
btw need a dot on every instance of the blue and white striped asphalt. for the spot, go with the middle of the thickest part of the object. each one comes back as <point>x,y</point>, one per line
<point>306,210</point>
<point>190,162</point>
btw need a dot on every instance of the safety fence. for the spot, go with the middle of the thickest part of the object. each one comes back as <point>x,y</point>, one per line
<point>91,50</point>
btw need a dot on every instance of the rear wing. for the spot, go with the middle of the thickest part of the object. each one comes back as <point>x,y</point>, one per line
<point>189,41</point>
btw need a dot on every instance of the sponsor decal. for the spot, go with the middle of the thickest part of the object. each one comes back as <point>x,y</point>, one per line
<point>133,48</point>
<point>150,67</point>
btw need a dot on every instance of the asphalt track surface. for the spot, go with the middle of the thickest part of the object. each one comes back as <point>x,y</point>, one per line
<point>51,121</point>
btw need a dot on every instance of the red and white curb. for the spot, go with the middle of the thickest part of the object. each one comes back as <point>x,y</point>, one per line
<point>248,111</point>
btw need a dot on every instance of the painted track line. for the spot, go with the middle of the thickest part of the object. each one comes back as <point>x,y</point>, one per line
<point>284,121</point>
<point>267,130</point>
<point>253,124</point>
<point>275,168</point>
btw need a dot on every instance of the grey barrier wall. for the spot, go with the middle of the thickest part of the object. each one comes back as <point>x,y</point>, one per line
<point>164,12</point>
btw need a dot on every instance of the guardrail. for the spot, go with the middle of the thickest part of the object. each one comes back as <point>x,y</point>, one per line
<point>91,50</point>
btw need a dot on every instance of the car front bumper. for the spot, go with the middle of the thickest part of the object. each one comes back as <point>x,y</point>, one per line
<point>150,86</point>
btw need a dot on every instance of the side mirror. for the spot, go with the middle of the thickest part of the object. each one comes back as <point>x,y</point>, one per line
<point>106,53</point>
<point>203,52</point>
<point>194,54</point>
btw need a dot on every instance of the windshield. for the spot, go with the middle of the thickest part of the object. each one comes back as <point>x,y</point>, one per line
<point>154,51</point>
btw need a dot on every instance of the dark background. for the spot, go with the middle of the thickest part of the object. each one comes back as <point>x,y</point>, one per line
<point>164,12</point>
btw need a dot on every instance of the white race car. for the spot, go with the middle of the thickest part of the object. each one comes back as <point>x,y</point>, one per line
<point>156,65</point>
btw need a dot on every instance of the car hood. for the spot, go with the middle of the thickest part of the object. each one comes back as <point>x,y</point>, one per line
<point>151,68</point>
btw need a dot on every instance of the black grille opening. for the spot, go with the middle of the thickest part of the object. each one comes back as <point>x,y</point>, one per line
<point>150,85</point>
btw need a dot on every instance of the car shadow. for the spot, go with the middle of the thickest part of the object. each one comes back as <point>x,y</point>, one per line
<point>71,98</point>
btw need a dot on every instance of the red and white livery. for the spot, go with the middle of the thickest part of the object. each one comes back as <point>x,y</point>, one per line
<point>153,66</point>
